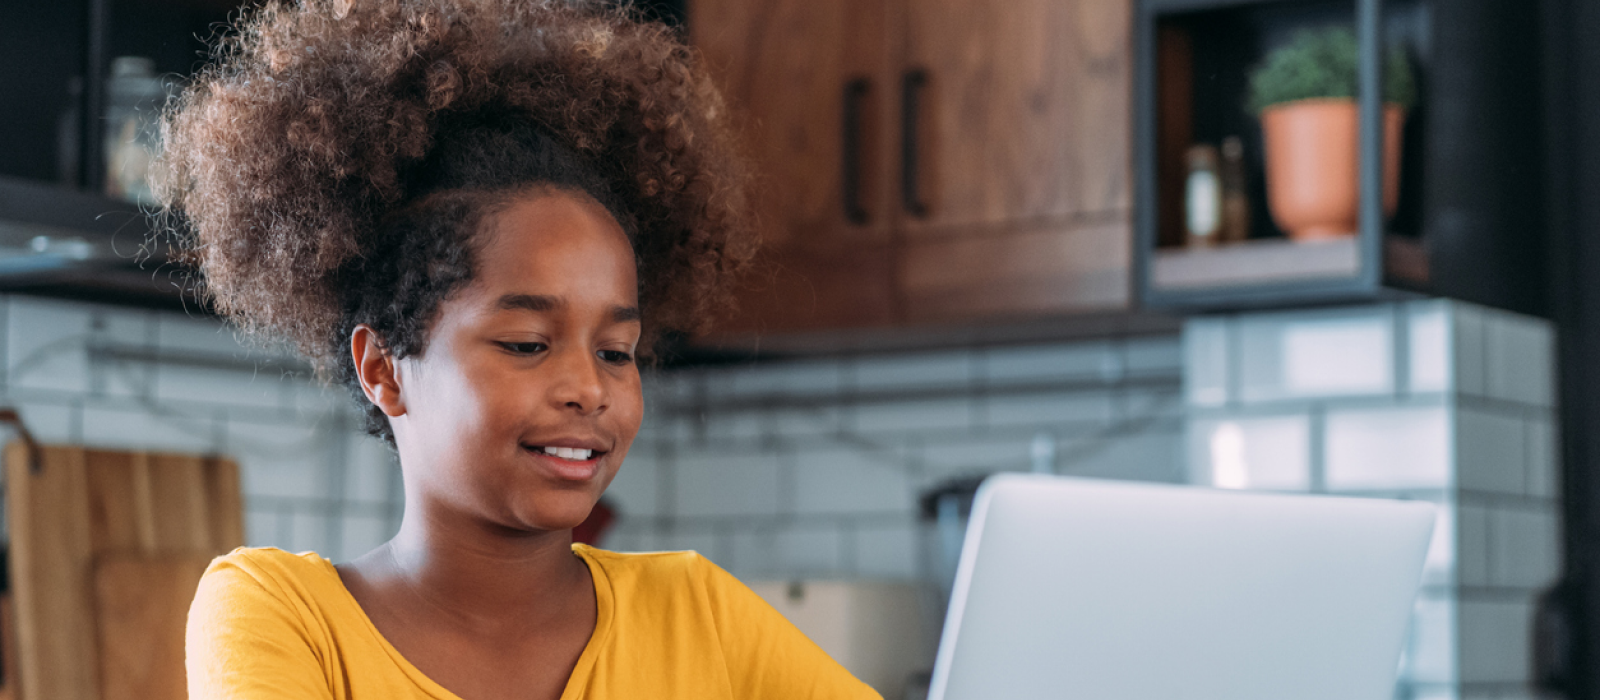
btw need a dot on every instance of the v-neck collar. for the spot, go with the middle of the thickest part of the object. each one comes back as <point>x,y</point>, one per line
<point>603,603</point>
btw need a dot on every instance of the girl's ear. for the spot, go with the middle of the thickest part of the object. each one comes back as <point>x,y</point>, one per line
<point>375,367</point>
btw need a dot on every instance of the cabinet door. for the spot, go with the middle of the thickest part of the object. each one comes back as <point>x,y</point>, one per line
<point>1024,113</point>
<point>1018,201</point>
<point>811,80</point>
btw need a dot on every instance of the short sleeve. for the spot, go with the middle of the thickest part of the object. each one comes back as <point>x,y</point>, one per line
<point>246,641</point>
<point>767,656</point>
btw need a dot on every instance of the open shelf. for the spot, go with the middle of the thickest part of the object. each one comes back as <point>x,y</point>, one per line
<point>1467,224</point>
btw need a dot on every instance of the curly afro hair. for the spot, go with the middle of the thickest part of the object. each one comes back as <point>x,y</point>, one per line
<point>333,163</point>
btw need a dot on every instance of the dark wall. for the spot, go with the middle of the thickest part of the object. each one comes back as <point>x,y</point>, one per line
<point>1571,63</point>
<point>1484,158</point>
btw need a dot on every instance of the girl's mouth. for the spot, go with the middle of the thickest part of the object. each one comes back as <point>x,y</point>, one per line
<point>567,463</point>
<point>571,454</point>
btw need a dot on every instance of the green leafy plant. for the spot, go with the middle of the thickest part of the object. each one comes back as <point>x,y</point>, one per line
<point>1325,63</point>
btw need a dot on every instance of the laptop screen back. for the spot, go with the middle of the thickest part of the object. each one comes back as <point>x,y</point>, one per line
<point>1077,588</point>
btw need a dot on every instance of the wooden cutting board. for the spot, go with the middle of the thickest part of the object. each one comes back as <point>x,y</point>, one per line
<point>76,513</point>
<point>141,604</point>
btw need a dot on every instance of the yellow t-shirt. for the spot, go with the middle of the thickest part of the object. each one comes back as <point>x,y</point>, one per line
<point>269,624</point>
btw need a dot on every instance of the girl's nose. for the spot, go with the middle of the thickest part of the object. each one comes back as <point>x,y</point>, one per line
<point>578,383</point>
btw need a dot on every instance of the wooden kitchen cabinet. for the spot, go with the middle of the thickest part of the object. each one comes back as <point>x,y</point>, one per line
<point>931,161</point>
<point>803,73</point>
<point>1020,197</point>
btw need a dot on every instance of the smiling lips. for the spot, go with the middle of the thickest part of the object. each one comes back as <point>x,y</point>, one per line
<point>570,453</point>
<point>568,463</point>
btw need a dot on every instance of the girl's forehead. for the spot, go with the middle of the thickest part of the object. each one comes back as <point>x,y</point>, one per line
<point>557,243</point>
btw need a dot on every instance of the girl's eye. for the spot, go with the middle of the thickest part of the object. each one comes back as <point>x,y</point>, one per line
<point>616,357</point>
<point>524,348</point>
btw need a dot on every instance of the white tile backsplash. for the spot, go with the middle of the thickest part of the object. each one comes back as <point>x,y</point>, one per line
<point>1092,408</point>
<point>362,534</point>
<point>1157,455</point>
<point>265,528</point>
<point>1519,359</point>
<point>1544,466</point>
<point>1387,448</point>
<point>1470,429</point>
<point>205,385</point>
<point>119,428</point>
<point>308,532</point>
<point>371,470</point>
<point>887,552</point>
<point>842,480</point>
<point>281,461</point>
<point>1468,342</point>
<point>636,490</point>
<point>754,555</point>
<point>1270,453</point>
<point>52,422</point>
<point>720,484</point>
<point>1342,352</point>
<point>202,336</point>
<point>46,345</point>
<point>1438,569</point>
<point>1490,451</point>
<point>1428,343</point>
<point>814,553</point>
<point>913,370</point>
<point>1152,354</point>
<point>1524,548</point>
<point>1207,357</point>
<point>785,378</point>
<point>941,459</point>
<point>1473,554</point>
<point>930,415</point>
<point>1085,360</point>
<point>128,329</point>
<point>1493,640</point>
<point>1430,654</point>
<point>1338,357</point>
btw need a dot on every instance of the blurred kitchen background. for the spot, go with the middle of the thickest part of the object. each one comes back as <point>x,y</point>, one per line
<point>1031,235</point>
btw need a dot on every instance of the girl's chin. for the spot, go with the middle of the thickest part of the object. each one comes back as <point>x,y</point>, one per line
<point>552,515</point>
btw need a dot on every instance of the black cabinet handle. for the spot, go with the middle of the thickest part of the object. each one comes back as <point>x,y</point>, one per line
<point>855,94</point>
<point>910,109</point>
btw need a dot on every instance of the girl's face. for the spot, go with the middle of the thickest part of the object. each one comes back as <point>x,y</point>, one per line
<point>526,400</point>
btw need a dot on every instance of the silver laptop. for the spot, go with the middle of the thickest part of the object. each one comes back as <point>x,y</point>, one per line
<point>1078,588</point>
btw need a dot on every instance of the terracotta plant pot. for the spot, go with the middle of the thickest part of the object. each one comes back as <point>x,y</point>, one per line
<point>1313,166</point>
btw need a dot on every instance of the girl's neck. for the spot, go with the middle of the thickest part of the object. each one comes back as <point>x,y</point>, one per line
<point>478,576</point>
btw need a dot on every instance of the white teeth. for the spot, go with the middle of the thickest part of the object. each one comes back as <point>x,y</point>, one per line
<point>572,453</point>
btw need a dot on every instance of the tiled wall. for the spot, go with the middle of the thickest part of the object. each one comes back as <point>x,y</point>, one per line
<point>813,468</point>
<point>779,470</point>
<point>134,379</point>
<point>1433,400</point>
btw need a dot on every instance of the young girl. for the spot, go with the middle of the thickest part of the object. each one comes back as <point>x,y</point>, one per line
<point>476,214</point>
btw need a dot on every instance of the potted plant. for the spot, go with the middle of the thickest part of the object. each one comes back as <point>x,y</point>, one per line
<point>1305,94</point>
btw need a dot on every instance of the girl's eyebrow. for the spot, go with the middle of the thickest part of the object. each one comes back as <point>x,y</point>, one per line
<point>530,302</point>
<point>541,303</point>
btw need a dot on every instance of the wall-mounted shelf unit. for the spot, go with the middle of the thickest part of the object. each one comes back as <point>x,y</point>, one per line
<point>1468,221</point>
<point>63,232</point>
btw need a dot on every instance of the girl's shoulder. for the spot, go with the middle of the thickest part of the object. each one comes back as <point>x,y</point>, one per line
<point>659,576</point>
<point>657,567</point>
<point>305,581</point>
<point>272,566</point>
